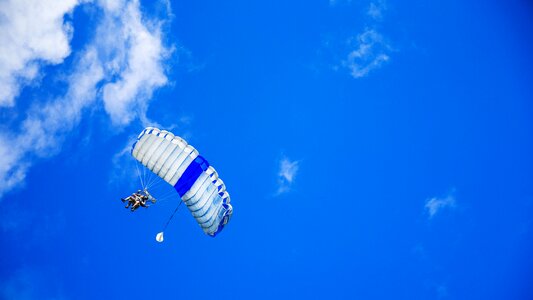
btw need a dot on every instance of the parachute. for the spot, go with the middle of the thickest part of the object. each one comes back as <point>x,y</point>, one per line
<point>196,182</point>
<point>159,237</point>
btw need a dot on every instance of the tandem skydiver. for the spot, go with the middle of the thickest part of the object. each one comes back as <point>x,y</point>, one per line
<point>138,199</point>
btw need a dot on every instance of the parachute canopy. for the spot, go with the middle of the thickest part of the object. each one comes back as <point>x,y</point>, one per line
<point>196,182</point>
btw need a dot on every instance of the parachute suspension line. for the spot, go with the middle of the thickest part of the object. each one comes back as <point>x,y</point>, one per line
<point>152,179</point>
<point>172,216</point>
<point>144,173</point>
<point>147,178</point>
<point>149,181</point>
<point>166,196</point>
<point>139,174</point>
<point>155,182</point>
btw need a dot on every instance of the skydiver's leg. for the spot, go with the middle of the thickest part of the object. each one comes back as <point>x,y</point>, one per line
<point>127,199</point>
<point>135,206</point>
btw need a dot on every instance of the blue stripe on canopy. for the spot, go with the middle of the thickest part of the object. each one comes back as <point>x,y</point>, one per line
<point>133,147</point>
<point>191,174</point>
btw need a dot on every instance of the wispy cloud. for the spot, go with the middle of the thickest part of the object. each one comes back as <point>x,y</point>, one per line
<point>436,205</point>
<point>133,54</point>
<point>32,33</point>
<point>370,53</point>
<point>43,131</point>
<point>121,66</point>
<point>376,10</point>
<point>369,49</point>
<point>287,174</point>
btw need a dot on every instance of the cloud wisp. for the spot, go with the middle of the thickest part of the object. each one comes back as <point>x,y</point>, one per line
<point>376,10</point>
<point>371,52</point>
<point>121,67</point>
<point>286,175</point>
<point>435,205</point>
<point>369,48</point>
<point>33,33</point>
<point>133,53</point>
<point>42,132</point>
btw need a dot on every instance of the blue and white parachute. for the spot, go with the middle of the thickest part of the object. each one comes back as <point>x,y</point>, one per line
<point>197,183</point>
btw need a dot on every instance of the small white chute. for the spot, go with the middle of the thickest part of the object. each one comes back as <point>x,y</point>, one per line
<point>159,237</point>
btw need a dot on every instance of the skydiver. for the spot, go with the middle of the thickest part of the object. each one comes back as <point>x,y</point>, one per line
<point>133,199</point>
<point>140,200</point>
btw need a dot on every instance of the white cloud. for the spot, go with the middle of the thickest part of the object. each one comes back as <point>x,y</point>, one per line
<point>435,205</point>
<point>369,49</point>
<point>121,66</point>
<point>136,55</point>
<point>32,32</point>
<point>286,175</point>
<point>370,53</point>
<point>376,10</point>
<point>42,132</point>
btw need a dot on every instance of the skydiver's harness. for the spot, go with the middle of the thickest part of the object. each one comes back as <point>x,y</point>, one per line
<point>150,197</point>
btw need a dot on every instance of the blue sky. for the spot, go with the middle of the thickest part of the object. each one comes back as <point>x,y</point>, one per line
<point>372,149</point>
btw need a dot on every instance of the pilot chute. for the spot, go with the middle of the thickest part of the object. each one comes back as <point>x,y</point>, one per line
<point>159,237</point>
